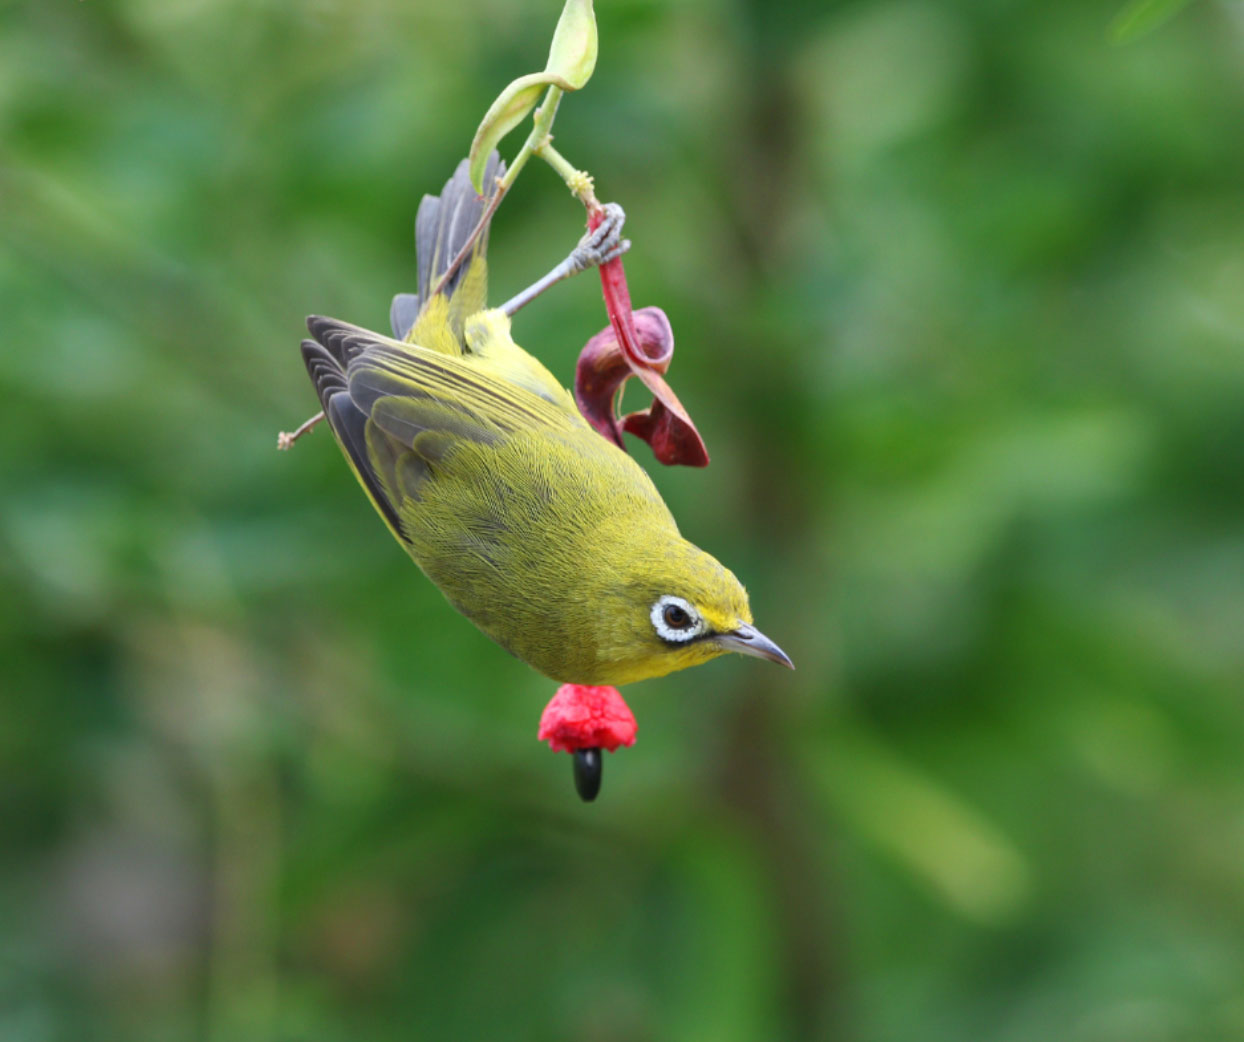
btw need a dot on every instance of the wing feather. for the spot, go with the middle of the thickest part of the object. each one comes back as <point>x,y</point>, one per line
<point>385,368</point>
<point>349,424</point>
<point>398,410</point>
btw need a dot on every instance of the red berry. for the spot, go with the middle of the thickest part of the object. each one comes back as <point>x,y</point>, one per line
<point>584,717</point>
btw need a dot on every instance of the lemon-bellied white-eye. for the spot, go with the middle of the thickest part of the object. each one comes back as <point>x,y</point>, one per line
<point>549,538</point>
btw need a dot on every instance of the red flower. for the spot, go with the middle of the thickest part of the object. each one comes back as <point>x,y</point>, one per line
<point>584,717</point>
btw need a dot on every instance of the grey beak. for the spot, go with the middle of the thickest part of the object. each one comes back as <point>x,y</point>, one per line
<point>747,640</point>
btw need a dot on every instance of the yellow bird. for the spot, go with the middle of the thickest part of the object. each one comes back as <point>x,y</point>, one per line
<point>549,538</point>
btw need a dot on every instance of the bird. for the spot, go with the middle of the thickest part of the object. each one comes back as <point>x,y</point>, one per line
<point>548,537</point>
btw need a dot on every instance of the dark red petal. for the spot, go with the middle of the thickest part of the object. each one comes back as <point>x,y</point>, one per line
<point>598,378</point>
<point>602,369</point>
<point>581,716</point>
<point>655,337</point>
<point>673,438</point>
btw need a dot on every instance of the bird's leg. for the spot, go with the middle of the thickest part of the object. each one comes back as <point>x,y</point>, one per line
<point>597,247</point>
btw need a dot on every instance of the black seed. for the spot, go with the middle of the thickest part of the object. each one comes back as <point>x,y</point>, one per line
<point>588,767</point>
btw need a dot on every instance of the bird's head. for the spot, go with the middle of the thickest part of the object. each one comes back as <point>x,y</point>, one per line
<point>677,607</point>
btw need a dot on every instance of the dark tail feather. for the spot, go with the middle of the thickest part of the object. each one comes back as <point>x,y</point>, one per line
<point>402,314</point>
<point>326,358</point>
<point>444,222</point>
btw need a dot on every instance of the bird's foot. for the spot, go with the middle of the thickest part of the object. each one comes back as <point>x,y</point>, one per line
<point>603,244</point>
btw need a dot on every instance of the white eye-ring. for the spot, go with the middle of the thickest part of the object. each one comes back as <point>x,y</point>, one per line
<point>675,620</point>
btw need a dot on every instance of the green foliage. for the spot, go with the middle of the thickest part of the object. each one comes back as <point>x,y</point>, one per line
<point>958,299</point>
<point>1143,16</point>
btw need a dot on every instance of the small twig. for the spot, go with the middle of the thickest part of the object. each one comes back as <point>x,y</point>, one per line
<point>285,440</point>
<point>580,182</point>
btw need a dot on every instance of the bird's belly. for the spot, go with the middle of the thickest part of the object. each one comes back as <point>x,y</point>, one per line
<point>508,560</point>
<point>522,540</point>
<point>510,608</point>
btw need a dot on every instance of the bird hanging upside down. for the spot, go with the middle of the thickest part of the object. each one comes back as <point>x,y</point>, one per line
<point>549,538</point>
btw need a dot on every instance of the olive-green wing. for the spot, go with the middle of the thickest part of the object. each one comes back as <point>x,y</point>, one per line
<point>491,350</point>
<point>397,409</point>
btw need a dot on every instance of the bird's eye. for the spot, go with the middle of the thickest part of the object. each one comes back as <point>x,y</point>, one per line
<point>675,620</point>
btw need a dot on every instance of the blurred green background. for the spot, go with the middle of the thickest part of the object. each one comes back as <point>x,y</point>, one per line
<point>959,296</point>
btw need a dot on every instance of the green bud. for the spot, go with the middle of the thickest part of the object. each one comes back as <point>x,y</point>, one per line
<point>572,56</point>
<point>572,59</point>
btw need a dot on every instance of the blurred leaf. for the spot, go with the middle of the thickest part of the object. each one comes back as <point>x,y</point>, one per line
<point>928,828</point>
<point>503,115</point>
<point>1141,17</point>
<point>722,958</point>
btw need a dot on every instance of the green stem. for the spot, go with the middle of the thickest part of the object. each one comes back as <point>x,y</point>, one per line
<point>557,161</point>
<point>578,181</point>
<point>536,140</point>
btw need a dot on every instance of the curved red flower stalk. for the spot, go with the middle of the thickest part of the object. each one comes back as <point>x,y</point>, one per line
<point>635,344</point>
<point>581,716</point>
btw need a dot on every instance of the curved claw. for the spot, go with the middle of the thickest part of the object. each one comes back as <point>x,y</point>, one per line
<point>603,243</point>
<point>619,248</point>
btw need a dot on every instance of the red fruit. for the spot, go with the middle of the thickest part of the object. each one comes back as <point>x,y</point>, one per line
<point>581,716</point>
